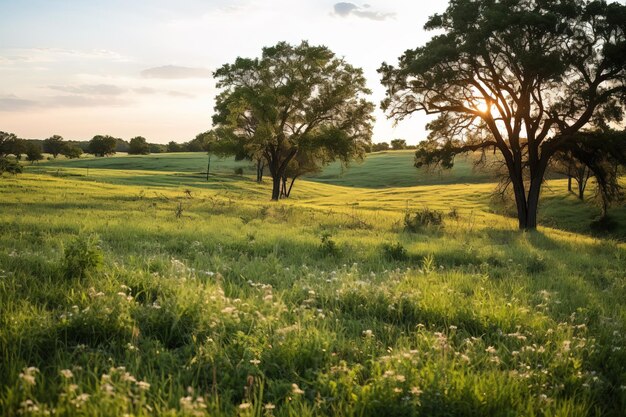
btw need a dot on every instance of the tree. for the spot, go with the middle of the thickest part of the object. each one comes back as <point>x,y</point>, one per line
<point>71,151</point>
<point>564,163</point>
<point>53,145</point>
<point>173,147</point>
<point>522,77</point>
<point>378,147</point>
<point>33,152</point>
<point>102,145</point>
<point>602,153</point>
<point>398,144</point>
<point>10,166</point>
<point>6,141</point>
<point>17,147</point>
<point>294,99</point>
<point>138,146</point>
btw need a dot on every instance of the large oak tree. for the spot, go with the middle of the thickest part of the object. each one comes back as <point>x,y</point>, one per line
<point>520,76</point>
<point>294,99</point>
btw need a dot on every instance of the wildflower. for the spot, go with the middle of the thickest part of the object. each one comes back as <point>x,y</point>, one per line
<point>491,350</point>
<point>400,378</point>
<point>108,389</point>
<point>143,385</point>
<point>269,406</point>
<point>296,389</point>
<point>28,375</point>
<point>255,362</point>
<point>368,333</point>
<point>67,374</point>
<point>453,327</point>
<point>244,406</point>
<point>416,391</point>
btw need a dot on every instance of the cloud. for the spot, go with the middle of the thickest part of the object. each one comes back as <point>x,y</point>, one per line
<point>90,89</point>
<point>48,55</point>
<point>345,9</point>
<point>174,72</point>
<point>84,101</point>
<point>14,103</point>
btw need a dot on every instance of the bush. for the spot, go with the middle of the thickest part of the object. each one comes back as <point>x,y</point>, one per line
<point>239,171</point>
<point>82,257</point>
<point>395,252</point>
<point>604,224</point>
<point>422,219</point>
<point>10,165</point>
<point>328,246</point>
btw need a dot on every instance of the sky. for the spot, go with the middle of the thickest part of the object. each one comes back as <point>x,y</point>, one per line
<point>143,67</point>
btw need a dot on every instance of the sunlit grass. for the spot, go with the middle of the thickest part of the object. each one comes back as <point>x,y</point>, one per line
<point>214,301</point>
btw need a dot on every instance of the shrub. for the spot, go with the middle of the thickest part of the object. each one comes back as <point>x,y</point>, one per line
<point>10,165</point>
<point>536,264</point>
<point>328,246</point>
<point>82,257</point>
<point>604,224</point>
<point>395,252</point>
<point>425,218</point>
<point>239,171</point>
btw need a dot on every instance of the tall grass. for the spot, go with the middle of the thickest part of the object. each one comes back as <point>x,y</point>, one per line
<point>240,307</point>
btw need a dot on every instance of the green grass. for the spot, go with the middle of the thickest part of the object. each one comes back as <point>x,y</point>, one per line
<point>210,300</point>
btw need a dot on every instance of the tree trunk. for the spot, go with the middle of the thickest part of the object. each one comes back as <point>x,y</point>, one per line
<point>276,183</point>
<point>283,187</point>
<point>581,190</point>
<point>520,199</point>
<point>260,167</point>
<point>291,186</point>
<point>569,183</point>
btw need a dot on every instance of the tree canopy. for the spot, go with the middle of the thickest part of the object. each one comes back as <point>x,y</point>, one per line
<point>520,76</point>
<point>294,99</point>
<point>53,145</point>
<point>138,146</point>
<point>102,145</point>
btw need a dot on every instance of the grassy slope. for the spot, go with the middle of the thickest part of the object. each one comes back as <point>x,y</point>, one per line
<point>382,170</point>
<point>474,319</point>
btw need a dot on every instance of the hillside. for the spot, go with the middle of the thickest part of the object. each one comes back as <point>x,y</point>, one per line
<point>329,303</point>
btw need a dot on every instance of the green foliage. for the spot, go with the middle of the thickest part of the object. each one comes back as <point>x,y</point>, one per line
<point>328,246</point>
<point>239,171</point>
<point>54,145</point>
<point>381,146</point>
<point>33,152</point>
<point>293,101</point>
<point>422,220</point>
<point>496,67</point>
<point>138,146</point>
<point>82,257</point>
<point>71,151</point>
<point>10,166</point>
<point>395,252</point>
<point>398,144</point>
<point>102,145</point>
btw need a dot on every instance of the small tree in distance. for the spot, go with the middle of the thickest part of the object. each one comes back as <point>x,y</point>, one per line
<point>71,151</point>
<point>102,145</point>
<point>138,146</point>
<point>291,100</point>
<point>53,145</point>
<point>33,152</point>
<point>379,147</point>
<point>398,144</point>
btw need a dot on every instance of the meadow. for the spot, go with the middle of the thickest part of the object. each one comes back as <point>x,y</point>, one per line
<point>133,286</point>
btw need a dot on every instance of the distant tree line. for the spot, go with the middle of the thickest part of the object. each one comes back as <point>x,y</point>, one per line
<point>394,145</point>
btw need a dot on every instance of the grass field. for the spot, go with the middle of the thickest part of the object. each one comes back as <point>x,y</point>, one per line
<point>138,288</point>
